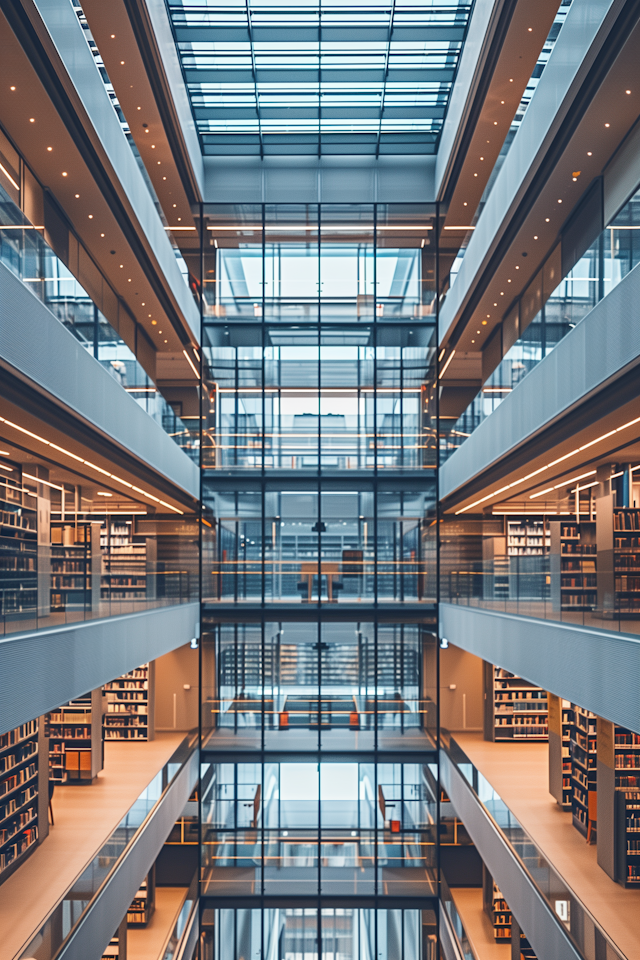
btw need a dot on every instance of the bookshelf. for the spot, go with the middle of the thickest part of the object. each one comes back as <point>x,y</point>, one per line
<point>130,705</point>
<point>143,904</point>
<point>584,768</point>
<point>527,537</point>
<point>567,730</point>
<point>124,561</point>
<point>75,572</point>
<point>560,730</point>
<point>116,949</point>
<point>500,916</point>
<point>76,753</point>
<point>618,537</point>
<point>573,565</point>
<point>628,837</point>
<point>23,787</point>
<point>18,549</point>
<point>520,709</point>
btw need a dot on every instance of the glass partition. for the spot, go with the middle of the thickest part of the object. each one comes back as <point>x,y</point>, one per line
<point>549,310</point>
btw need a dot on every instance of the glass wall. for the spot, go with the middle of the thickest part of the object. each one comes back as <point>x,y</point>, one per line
<point>548,309</point>
<point>318,651</point>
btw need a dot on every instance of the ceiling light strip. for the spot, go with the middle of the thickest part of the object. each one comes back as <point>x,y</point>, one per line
<point>87,463</point>
<point>548,466</point>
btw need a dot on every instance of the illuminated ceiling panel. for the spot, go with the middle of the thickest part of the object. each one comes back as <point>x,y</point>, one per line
<point>369,77</point>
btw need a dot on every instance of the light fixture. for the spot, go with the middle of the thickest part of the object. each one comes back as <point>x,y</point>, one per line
<point>484,322</point>
<point>190,362</point>
<point>64,173</point>
<point>546,219</point>
<point>444,369</point>
<point>32,119</point>
<point>122,63</point>
<point>553,463</point>
<point>13,88</point>
<point>90,216</point>
<point>607,124</point>
<point>535,238</point>
<point>153,322</point>
<point>88,463</point>
<point>102,234</point>
<point>49,149</point>
<point>441,354</point>
<point>626,91</point>
<point>559,201</point>
<point>103,493</point>
<point>589,153</point>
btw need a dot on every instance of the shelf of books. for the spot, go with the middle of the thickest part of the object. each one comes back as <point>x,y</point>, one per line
<point>527,537</point>
<point>143,904</point>
<point>626,561</point>
<point>75,566</point>
<point>567,730</point>
<point>18,548</point>
<point>75,740</point>
<point>124,561</point>
<point>520,708</point>
<point>18,794</point>
<point>584,766</point>
<point>129,705</point>
<point>501,917</point>
<point>627,811</point>
<point>573,565</point>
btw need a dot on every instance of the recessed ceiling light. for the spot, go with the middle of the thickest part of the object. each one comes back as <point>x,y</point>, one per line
<point>175,204</point>
<point>77,196</point>
<point>90,216</point>
<point>49,149</point>
<point>464,204</point>
<point>166,341</point>
<point>510,80</point>
<point>122,266</point>
<point>164,178</point>
<point>113,36</point>
<point>473,341</point>
<point>495,123</point>
<point>530,29</point>
<point>13,88</point>
<point>475,174</point>
<point>139,108</point>
<point>154,323</point>
<point>559,201</point>
<point>517,267</point>
<point>489,316</point>
<point>103,493</point>
<point>122,63</point>
<point>589,153</point>
<point>153,146</point>
<point>508,281</point>
<point>64,173</point>
<point>495,304</point>
<point>149,314</point>
<point>32,119</point>
<point>546,219</point>
<point>102,234</point>
<point>477,331</point>
<point>607,124</point>
<point>626,91</point>
<point>535,238</point>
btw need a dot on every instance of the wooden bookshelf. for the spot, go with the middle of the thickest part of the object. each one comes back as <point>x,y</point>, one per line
<point>573,565</point>
<point>130,705</point>
<point>628,837</point>
<point>144,902</point>
<point>23,783</point>
<point>500,917</point>
<point>76,753</point>
<point>520,709</point>
<point>560,729</point>
<point>584,765</point>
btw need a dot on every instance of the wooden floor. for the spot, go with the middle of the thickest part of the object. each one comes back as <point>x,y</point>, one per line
<point>519,773</point>
<point>148,943</point>
<point>85,817</point>
<point>478,927</point>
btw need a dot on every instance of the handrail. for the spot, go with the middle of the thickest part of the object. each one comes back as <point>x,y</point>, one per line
<point>64,918</point>
<point>577,921</point>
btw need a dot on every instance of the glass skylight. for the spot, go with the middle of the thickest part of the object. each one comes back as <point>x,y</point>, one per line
<point>313,78</point>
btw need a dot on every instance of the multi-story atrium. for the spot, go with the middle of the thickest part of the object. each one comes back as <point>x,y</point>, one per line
<point>319,440</point>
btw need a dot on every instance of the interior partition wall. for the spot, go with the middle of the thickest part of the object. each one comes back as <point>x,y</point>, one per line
<point>319,580</point>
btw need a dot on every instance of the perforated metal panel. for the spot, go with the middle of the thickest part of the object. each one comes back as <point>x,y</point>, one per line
<point>42,669</point>
<point>596,669</point>
<point>602,346</point>
<point>37,346</point>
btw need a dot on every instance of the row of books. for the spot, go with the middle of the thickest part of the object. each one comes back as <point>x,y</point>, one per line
<point>17,779</point>
<point>19,755</point>
<point>12,737</point>
<point>25,840</point>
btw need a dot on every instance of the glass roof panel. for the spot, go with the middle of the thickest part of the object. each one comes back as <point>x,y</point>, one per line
<point>363,76</point>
